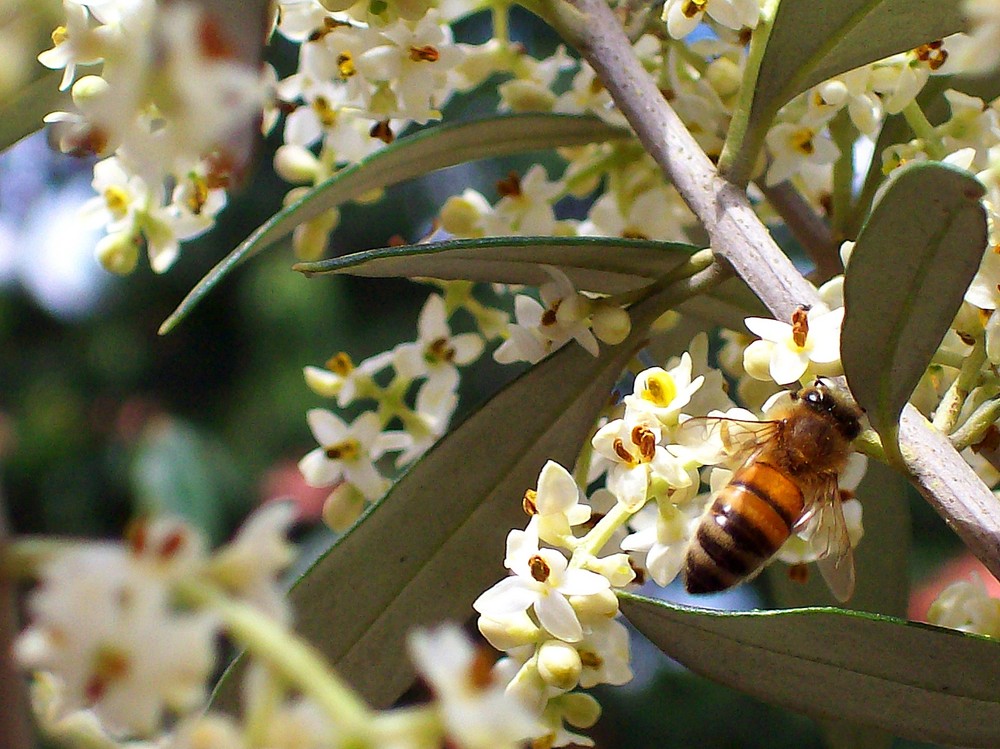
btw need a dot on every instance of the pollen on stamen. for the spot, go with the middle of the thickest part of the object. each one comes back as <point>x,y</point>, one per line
<point>440,351</point>
<point>382,132</point>
<point>660,389</point>
<point>800,326</point>
<point>539,568</point>
<point>802,141</point>
<point>340,363</point>
<point>529,502</point>
<point>645,440</point>
<point>346,450</point>
<point>481,669</point>
<point>590,659</point>
<point>59,35</point>
<point>345,65</point>
<point>509,187</point>
<point>619,447</point>
<point>427,53</point>
<point>693,7</point>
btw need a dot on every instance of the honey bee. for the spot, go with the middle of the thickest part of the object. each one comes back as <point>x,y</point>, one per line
<point>788,480</point>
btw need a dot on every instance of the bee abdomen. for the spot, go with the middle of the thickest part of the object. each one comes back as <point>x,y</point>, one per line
<point>749,520</point>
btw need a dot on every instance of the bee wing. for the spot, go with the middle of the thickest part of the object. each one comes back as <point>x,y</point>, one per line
<point>726,440</point>
<point>831,540</point>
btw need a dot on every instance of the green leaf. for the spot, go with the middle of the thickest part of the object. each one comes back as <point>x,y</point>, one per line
<point>608,266</point>
<point>22,113</point>
<point>916,681</point>
<point>812,40</point>
<point>436,541</point>
<point>913,260</point>
<point>434,148</point>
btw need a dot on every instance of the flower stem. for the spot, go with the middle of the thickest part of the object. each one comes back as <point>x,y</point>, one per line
<point>946,415</point>
<point>288,656</point>
<point>975,427</point>
<point>923,129</point>
<point>601,533</point>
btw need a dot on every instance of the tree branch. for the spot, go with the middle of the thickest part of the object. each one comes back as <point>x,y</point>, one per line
<point>738,236</point>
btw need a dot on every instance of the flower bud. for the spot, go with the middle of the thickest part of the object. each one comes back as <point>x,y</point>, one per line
<point>89,89</point>
<point>526,96</point>
<point>614,567</point>
<point>510,632</point>
<point>604,603</point>
<point>833,93</point>
<point>757,360</point>
<point>573,309</point>
<point>309,238</point>
<point>296,164</point>
<point>343,507</point>
<point>323,382</point>
<point>611,324</point>
<point>725,76</point>
<point>580,709</point>
<point>461,214</point>
<point>118,252</point>
<point>559,664</point>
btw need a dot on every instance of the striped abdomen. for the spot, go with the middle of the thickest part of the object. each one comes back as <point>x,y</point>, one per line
<point>747,523</point>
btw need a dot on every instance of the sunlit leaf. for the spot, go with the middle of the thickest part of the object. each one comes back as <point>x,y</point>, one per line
<point>436,541</point>
<point>913,680</point>
<point>912,263</point>
<point>812,40</point>
<point>434,148</point>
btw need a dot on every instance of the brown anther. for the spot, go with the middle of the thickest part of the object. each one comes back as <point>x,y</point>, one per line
<point>346,450</point>
<point>691,8</point>
<point>596,85</point>
<point>326,114</point>
<point>802,141</point>
<point>109,664</point>
<point>89,141</point>
<point>633,234</point>
<point>528,502</point>
<point>481,669</point>
<point>329,24</point>
<point>220,167</point>
<point>645,440</point>
<point>638,571</point>
<point>383,132</point>
<point>539,568</point>
<point>619,447</point>
<point>549,315</point>
<point>798,573</point>
<point>800,326</point>
<point>668,94</point>
<point>509,187</point>
<point>590,659</point>
<point>440,351</point>
<point>427,53</point>
<point>345,65</point>
<point>744,37</point>
<point>137,536</point>
<point>967,338</point>
<point>174,542</point>
<point>340,363</point>
<point>211,41</point>
<point>198,197</point>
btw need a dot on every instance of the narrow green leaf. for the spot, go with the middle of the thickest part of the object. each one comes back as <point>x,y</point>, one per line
<point>608,266</point>
<point>912,263</point>
<point>434,148</point>
<point>812,40</point>
<point>916,681</point>
<point>436,541</point>
<point>22,113</point>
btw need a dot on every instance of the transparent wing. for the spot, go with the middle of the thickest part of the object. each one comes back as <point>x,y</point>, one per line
<point>831,541</point>
<point>719,439</point>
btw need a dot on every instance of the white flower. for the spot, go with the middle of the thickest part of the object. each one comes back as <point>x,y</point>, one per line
<point>604,653</point>
<point>556,505</point>
<point>663,393</point>
<point>632,444</point>
<point>683,16</point>
<point>526,206</point>
<point>105,623</point>
<point>347,452</point>
<point>785,351</point>
<point>76,43</point>
<point>476,711</point>
<point>984,292</point>
<point>981,53</point>
<point>541,581</point>
<point>663,532</point>
<point>435,405</point>
<point>967,606</point>
<point>343,379</point>
<point>436,354</point>
<point>794,147</point>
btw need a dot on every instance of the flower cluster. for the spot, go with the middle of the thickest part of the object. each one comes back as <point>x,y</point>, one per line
<point>123,642</point>
<point>554,615</point>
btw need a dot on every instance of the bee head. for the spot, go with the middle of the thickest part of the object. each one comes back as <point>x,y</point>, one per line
<point>822,399</point>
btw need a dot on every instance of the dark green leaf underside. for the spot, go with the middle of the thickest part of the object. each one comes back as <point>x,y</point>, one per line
<point>911,265</point>
<point>916,681</point>
<point>428,150</point>
<point>608,266</point>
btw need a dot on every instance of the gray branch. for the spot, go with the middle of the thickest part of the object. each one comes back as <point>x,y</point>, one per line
<point>738,236</point>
